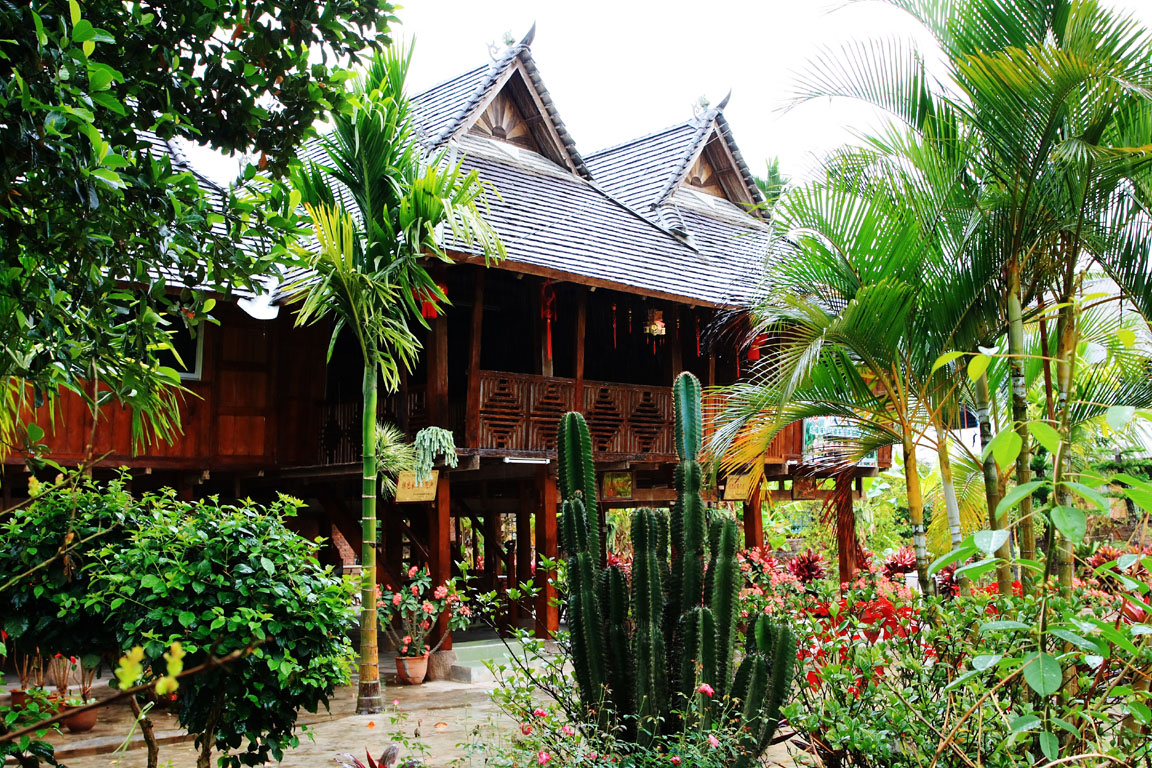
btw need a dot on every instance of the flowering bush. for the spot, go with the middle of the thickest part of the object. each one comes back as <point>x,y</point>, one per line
<point>409,614</point>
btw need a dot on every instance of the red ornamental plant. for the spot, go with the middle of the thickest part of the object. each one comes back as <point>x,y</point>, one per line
<point>409,615</point>
<point>898,563</point>
<point>807,567</point>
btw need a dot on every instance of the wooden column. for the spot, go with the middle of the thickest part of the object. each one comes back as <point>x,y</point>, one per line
<point>472,416</point>
<point>711,370</point>
<point>437,392</point>
<point>675,342</point>
<point>440,544</point>
<point>547,613</point>
<point>524,513</point>
<point>581,335</point>
<point>541,325</point>
<point>846,543</point>
<point>754,519</point>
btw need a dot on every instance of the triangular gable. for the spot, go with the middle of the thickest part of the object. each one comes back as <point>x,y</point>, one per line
<point>502,119</point>
<point>716,169</point>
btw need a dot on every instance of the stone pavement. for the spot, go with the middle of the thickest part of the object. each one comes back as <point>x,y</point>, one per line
<point>455,720</point>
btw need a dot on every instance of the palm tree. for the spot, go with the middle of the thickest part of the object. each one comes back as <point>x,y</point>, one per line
<point>379,208</point>
<point>1055,97</point>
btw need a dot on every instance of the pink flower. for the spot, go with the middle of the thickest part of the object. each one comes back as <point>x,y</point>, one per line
<point>395,702</point>
<point>441,592</point>
<point>568,730</point>
<point>404,649</point>
<point>428,608</point>
<point>526,729</point>
<point>713,741</point>
<point>416,590</point>
<point>543,757</point>
<point>675,759</point>
<point>407,639</point>
<point>425,624</point>
<point>465,611</point>
<point>412,572</point>
<point>396,598</point>
<point>706,690</point>
<point>539,712</point>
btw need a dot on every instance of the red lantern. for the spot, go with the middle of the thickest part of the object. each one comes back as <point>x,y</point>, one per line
<point>427,299</point>
<point>547,310</point>
<point>754,350</point>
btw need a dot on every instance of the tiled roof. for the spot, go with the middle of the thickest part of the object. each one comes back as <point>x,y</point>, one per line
<point>636,171</point>
<point>557,224</point>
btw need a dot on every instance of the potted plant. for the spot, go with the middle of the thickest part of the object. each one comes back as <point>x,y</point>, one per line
<point>85,673</point>
<point>30,672</point>
<point>408,616</point>
<point>59,674</point>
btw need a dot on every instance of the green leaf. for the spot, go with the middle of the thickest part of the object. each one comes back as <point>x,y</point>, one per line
<point>109,177</point>
<point>1066,726</point>
<point>1140,711</point>
<point>1024,723</point>
<point>1091,494</point>
<point>963,552</point>
<point>74,12</point>
<point>944,359</point>
<point>1016,495</point>
<point>187,618</point>
<point>1049,745</point>
<point>977,569</point>
<point>1045,434</point>
<point>1071,522</point>
<point>1042,673</point>
<point>108,101</point>
<point>1077,640</point>
<point>990,541</point>
<point>995,626</point>
<point>978,365</point>
<point>982,663</point>
<point>1118,416</point>
<point>1127,337</point>
<point>35,433</point>
<point>1005,447</point>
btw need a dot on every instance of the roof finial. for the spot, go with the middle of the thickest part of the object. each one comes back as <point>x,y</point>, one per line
<point>724,101</point>
<point>527,41</point>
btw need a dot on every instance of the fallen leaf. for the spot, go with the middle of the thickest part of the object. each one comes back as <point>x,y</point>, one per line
<point>371,723</point>
<point>441,725</point>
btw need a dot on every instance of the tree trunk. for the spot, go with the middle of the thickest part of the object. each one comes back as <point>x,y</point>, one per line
<point>1024,526</point>
<point>992,486</point>
<point>1065,374</point>
<point>208,736</point>
<point>951,507</point>
<point>368,700</point>
<point>147,732</point>
<point>916,512</point>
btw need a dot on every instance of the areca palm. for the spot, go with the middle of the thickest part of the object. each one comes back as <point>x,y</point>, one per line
<point>379,208</point>
<point>1053,99</point>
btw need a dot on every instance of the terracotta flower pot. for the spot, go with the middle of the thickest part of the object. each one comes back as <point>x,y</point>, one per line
<point>82,722</point>
<point>19,698</point>
<point>412,669</point>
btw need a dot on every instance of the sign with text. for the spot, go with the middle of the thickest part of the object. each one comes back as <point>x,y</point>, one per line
<point>738,487</point>
<point>831,434</point>
<point>407,489</point>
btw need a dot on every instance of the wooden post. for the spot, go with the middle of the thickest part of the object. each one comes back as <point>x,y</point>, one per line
<point>547,613</point>
<point>472,417</point>
<point>711,370</point>
<point>754,519</point>
<point>581,334</point>
<point>440,545</point>
<point>523,543</point>
<point>675,344</point>
<point>846,542</point>
<point>438,411</point>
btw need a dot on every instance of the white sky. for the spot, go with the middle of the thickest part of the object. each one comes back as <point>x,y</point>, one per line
<point>618,69</point>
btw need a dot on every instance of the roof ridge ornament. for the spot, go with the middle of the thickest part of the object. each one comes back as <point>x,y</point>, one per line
<point>723,102</point>
<point>527,41</point>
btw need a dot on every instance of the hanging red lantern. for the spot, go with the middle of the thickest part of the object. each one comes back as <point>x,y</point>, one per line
<point>427,299</point>
<point>754,350</point>
<point>613,326</point>
<point>547,310</point>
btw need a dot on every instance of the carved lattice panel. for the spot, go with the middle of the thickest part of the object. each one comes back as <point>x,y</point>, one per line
<point>502,411</point>
<point>605,407</point>
<point>551,399</point>
<point>650,421</point>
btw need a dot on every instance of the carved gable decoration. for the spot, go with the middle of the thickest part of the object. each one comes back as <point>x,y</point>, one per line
<point>503,120</point>
<point>703,177</point>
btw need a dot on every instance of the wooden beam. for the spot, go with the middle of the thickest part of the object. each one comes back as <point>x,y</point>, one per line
<point>472,417</point>
<point>440,545</point>
<point>547,612</point>
<point>846,542</point>
<point>753,520</point>
<point>581,335</point>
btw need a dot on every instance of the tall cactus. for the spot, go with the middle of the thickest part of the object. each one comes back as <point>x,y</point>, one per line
<point>639,655</point>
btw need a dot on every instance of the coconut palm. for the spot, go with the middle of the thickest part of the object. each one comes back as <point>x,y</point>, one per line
<point>379,209</point>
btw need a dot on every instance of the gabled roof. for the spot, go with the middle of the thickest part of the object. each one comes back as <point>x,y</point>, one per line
<point>445,111</point>
<point>646,172</point>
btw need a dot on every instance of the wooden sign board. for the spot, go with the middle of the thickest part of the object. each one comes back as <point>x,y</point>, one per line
<point>407,489</point>
<point>738,487</point>
<point>617,485</point>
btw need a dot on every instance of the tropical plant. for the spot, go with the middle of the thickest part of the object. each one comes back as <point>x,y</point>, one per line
<point>645,658</point>
<point>409,614</point>
<point>379,208</point>
<point>430,443</point>
<point>394,454</point>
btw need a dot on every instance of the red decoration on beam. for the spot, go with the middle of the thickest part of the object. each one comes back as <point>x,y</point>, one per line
<point>754,350</point>
<point>427,299</point>
<point>547,310</point>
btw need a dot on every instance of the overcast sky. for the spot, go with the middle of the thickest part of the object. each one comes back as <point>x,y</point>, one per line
<point>618,69</point>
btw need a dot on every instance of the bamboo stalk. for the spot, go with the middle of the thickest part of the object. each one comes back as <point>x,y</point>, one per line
<point>368,699</point>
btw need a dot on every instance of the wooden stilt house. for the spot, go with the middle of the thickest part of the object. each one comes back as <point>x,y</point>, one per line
<point>617,264</point>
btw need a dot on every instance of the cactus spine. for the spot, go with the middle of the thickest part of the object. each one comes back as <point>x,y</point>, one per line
<point>639,655</point>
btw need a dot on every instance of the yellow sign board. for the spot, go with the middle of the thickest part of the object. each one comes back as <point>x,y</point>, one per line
<point>407,489</point>
<point>738,487</point>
